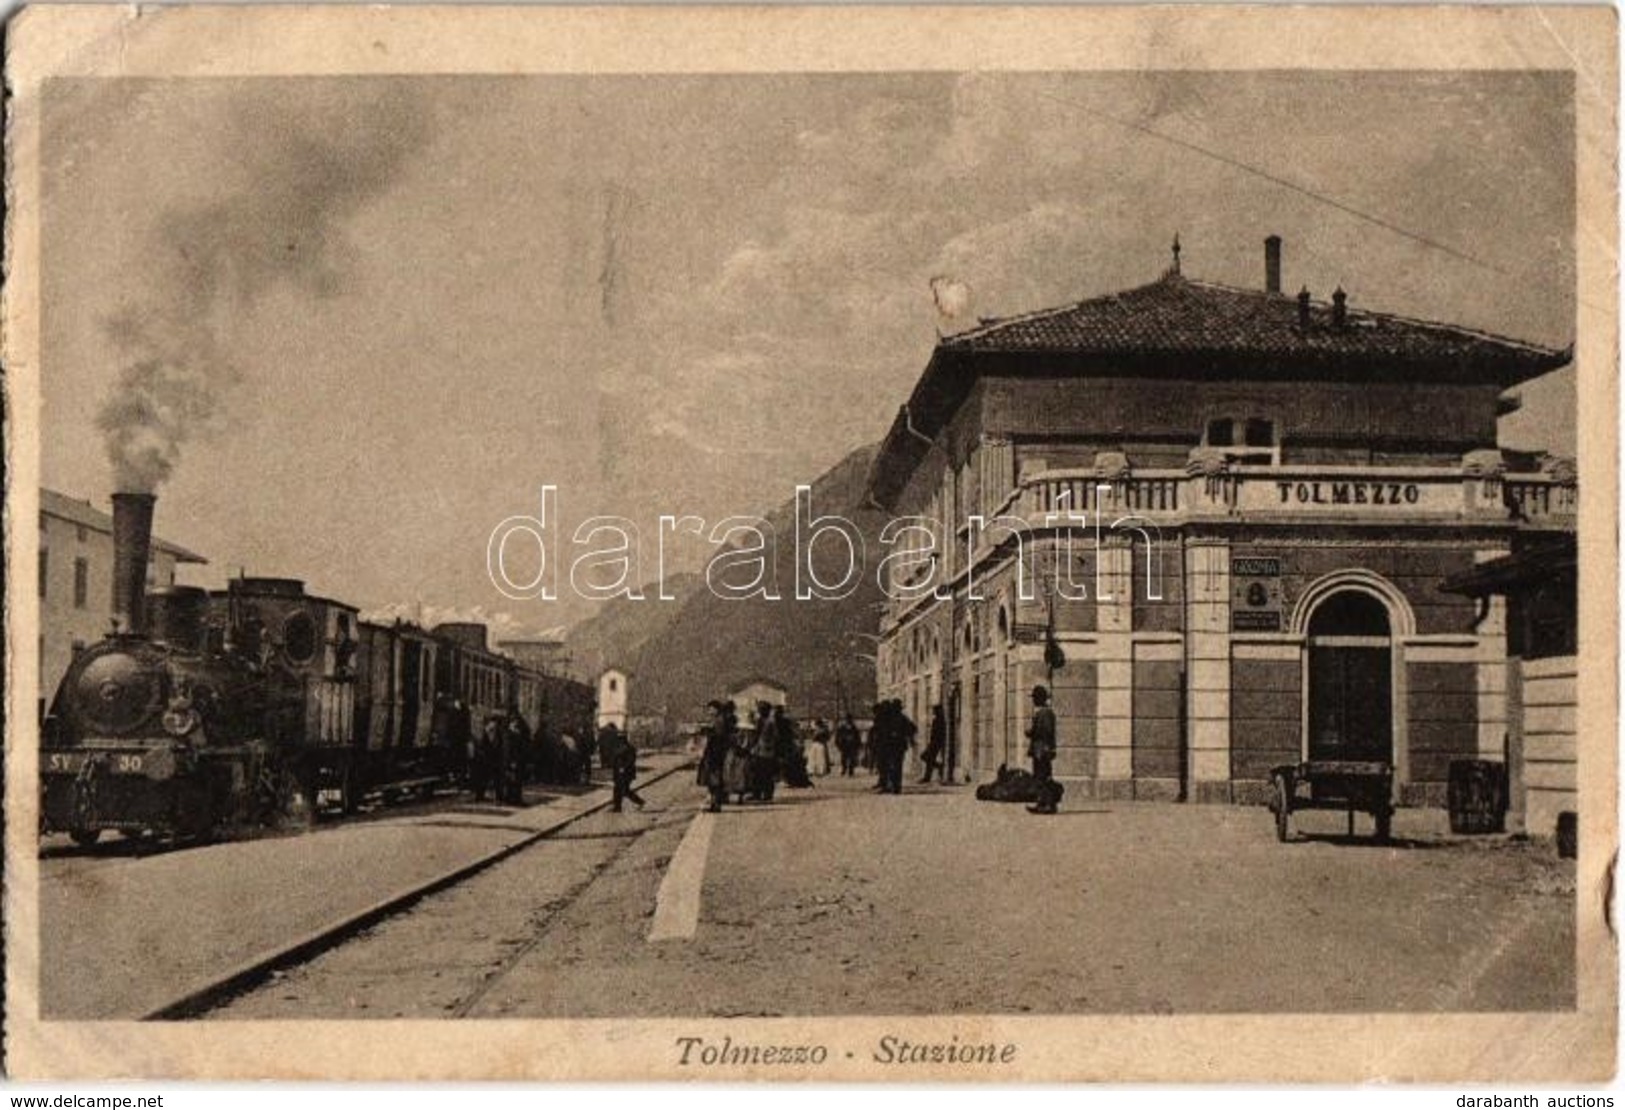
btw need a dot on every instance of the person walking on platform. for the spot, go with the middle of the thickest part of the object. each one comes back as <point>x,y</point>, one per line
<point>902,743</point>
<point>736,764</point>
<point>764,754</point>
<point>483,767</point>
<point>877,744</point>
<point>588,746</point>
<point>508,781</point>
<point>848,743</point>
<point>934,749</point>
<point>1041,746</point>
<point>792,761</point>
<point>818,750</point>
<point>616,751</point>
<point>719,741</point>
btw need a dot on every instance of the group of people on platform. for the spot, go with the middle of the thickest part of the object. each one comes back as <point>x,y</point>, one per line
<point>748,761</point>
<point>507,754</point>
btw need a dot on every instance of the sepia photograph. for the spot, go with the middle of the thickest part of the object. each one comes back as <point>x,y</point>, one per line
<point>852,558</point>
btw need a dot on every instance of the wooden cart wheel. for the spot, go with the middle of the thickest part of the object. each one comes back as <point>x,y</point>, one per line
<point>85,837</point>
<point>1283,808</point>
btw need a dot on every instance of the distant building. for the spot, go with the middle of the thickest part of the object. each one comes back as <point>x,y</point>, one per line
<point>612,699</point>
<point>1215,522</point>
<point>76,580</point>
<point>757,690</point>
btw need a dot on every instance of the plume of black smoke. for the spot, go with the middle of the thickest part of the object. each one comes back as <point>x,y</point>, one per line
<point>298,161</point>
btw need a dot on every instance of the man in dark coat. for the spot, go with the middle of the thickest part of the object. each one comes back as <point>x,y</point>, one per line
<point>1041,746</point>
<point>932,756</point>
<point>878,744</point>
<point>904,732</point>
<point>588,746</point>
<point>719,739</point>
<point>616,751</point>
<point>509,774</point>
<point>482,770</point>
<point>764,754</point>
<point>848,743</point>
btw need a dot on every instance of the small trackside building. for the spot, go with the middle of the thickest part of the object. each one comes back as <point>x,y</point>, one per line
<point>1539,583</point>
<point>1215,522</point>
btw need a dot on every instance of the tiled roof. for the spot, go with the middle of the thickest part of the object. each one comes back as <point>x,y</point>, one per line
<point>1177,327</point>
<point>1544,561</point>
<point>75,511</point>
<point>1175,315</point>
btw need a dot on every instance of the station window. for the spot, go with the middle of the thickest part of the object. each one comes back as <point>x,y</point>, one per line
<point>1221,432</point>
<point>44,570</point>
<point>1251,440</point>
<point>81,582</point>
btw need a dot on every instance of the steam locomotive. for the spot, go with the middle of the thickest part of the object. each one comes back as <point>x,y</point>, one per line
<point>207,711</point>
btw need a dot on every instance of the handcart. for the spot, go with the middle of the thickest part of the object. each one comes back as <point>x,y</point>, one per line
<point>1350,785</point>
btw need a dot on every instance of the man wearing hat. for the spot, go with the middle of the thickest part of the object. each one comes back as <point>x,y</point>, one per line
<point>1041,746</point>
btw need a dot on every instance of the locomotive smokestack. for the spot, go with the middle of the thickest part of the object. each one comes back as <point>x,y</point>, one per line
<point>132,546</point>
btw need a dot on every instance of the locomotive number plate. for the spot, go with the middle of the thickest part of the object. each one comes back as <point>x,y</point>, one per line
<point>120,763</point>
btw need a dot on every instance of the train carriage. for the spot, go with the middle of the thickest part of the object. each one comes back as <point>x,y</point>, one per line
<point>397,746</point>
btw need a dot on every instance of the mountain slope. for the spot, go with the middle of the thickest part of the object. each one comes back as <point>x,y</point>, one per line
<point>706,645</point>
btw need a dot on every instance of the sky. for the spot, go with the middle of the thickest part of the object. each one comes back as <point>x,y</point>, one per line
<point>347,325</point>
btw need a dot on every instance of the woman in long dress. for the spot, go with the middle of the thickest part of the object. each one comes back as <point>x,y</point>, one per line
<point>818,751</point>
<point>736,764</point>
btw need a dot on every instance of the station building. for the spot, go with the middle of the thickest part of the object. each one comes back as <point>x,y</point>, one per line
<point>1215,522</point>
<point>747,696</point>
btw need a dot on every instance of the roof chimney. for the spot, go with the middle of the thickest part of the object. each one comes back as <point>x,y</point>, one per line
<point>1340,308</point>
<point>1272,264</point>
<point>1303,307</point>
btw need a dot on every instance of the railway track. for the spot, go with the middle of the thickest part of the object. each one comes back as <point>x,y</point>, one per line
<point>199,998</point>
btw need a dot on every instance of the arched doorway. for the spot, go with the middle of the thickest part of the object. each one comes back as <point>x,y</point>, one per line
<point>1351,679</point>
